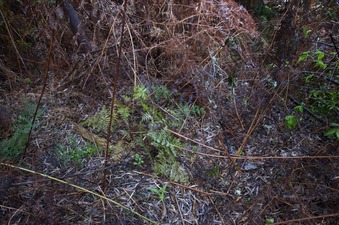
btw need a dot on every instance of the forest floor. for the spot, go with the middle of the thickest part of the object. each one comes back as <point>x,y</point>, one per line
<point>199,134</point>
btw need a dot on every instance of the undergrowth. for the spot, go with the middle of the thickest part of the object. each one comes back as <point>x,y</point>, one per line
<point>154,111</point>
<point>74,153</point>
<point>12,148</point>
<point>322,82</point>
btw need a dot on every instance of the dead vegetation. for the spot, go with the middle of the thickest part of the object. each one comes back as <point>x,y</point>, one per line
<point>243,165</point>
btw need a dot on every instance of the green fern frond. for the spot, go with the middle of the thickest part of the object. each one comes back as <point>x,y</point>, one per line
<point>164,140</point>
<point>140,93</point>
<point>124,113</point>
<point>197,110</point>
<point>146,117</point>
<point>12,148</point>
<point>100,120</point>
<point>127,99</point>
<point>125,135</point>
<point>173,170</point>
<point>185,109</point>
<point>161,92</point>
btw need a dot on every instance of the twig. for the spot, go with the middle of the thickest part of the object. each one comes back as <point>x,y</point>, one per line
<point>262,157</point>
<point>115,85</point>
<point>43,89</point>
<point>305,219</point>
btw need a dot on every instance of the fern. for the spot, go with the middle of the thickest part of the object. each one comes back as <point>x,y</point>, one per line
<point>147,117</point>
<point>166,163</point>
<point>12,148</point>
<point>125,135</point>
<point>162,139</point>
<point>171,169</point>
<point>197,110</point>
<point>124,113</point>
<point>140,93</point>
<point>161,92</point>
<point>100,120</point>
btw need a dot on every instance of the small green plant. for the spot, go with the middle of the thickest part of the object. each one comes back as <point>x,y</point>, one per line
<point>322,97</point>
<point>74,153</point>
<point>214,172</point>
<point>12,148</point>
<point>155,122</point>
<point>291,121</point>
<point>299,108</point>
<point>160,191</point>
<point>265,12</point>
<point>324,102</point>
<point>333,132</point>
<point>138,160</point>
<point>317,57</point>
<point>269,221</point>
<point>140,93</point>
<point>306,31</point>
<point>100,120</point>
<point>154,111</point>
<point>124,112</point>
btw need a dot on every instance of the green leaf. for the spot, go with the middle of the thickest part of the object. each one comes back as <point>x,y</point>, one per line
<point>333,132</point>
<point>140,93</point>
<point>303,57</point>
<point>269,221</point>
<point>320,54</point>
<point>309,78</point>
<point>291,121</point>
<point>306,31</point>
<point>124,112</point>
<point>320,63</point>
<point>299,108</point>
<point>160,191</point>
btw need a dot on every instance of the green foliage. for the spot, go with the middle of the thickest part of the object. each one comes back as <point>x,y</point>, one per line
<point>214,172</point>
<point>160,191</point>
<point>269,221</point>
<point>161,92</point>
<point>291,121</point>
<point>324,102</point>
<point>299,108</point>
<point>12,148</point>
<point>265,12</point>
<point>23,45</point>
<point>323,96</point>
<point>333,132</point>
<point>152,114</point>
<point>303,57</point>
<point>163,139</point>
<point>306,31</point>
<point>138,160</point>
<point>317,57</point>
<point>172,115</point>
<point>74,153</point>
<point>140,93</point>
<point>124,112</point>
<point>100,120</point>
